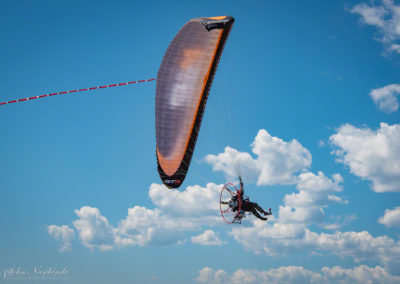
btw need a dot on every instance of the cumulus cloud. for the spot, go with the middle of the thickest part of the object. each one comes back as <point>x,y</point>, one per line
<point>282,238</point>
<point>358,245</point>
<point>298,274</point>
<point>385,16</point>
<point>289,232</point>
<point>208,275</point>
<point>276,162</point>
<point>93,229</point>
<point>270,239</point>
<point>280,162</point>
<point>391,218</point>
<point>386,97</point>
<point>359,274</point>
<point>64,234</point>
<point>371,155</point>
<point>144,227</point>
<point>177,212</point>
<point>207,238</point>
<point>315,193</point>
<point>193,201</point>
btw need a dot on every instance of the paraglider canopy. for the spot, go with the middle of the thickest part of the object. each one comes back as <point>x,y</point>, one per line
<point>183,83</point>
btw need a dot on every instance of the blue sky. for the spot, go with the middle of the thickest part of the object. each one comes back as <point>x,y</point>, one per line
<point>305,96</point>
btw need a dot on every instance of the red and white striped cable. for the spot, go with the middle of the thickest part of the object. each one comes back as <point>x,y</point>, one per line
<point>75,91</point>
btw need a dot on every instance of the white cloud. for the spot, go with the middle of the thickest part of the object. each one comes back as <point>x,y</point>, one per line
<point>371,15</point>
<point>277,161</point>
<point>64,234</point>
<point>147,227</point>
<point>270,239</point>
<point>190,209</point>
<point>298,274</point>
<point>193,201</point>
<point>371,155</point>
<point>278,238</point>
<point>357,245</point>
<point>177,213</point>
<point>391,218</point>
<point>386,18</point>
<point>208,275</point>
<point>228,162</point>
<point>93,229</point>
<point>207,238</point>
<point>315,193</point>
<point>395,47</point>
<point>386,97</point>
<point>289,232</point>
<point>142,226</point>
<point>359,274</point>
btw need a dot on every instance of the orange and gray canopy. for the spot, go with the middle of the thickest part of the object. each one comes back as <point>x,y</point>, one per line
<point>183,84</point>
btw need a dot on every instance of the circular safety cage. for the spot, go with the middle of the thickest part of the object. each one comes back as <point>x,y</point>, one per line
<point>229,203</point>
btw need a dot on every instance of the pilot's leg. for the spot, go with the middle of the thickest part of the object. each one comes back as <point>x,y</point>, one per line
<point>258,207</point>
<point>255,212</point>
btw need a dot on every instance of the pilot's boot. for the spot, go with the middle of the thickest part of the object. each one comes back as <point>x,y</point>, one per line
<point>267,213</point>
